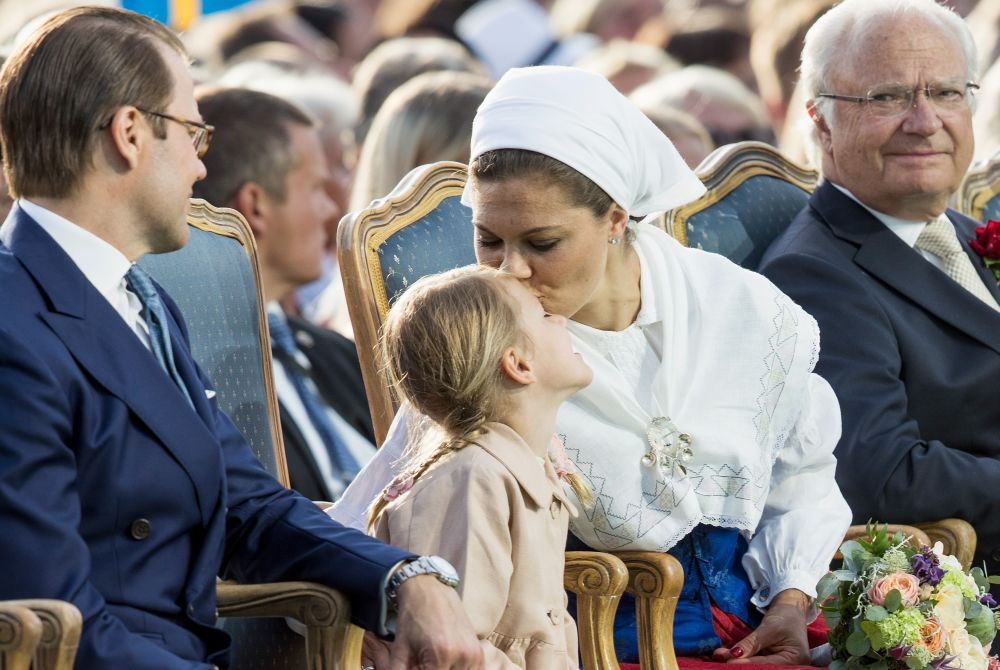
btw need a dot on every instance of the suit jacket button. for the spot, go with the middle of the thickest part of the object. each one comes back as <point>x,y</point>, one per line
<point>995,555</point>
<point>139,530</point>
<point>555,616</point>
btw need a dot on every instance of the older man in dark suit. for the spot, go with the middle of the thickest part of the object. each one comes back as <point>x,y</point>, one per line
<point>123,488</point>
<point>908,311</point>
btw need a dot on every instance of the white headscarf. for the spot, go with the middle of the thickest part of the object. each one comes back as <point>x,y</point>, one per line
<point>580,119</point>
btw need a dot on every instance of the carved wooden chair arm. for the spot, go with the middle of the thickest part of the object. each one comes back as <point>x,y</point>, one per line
<point>20,633</point>
<point>598,580</point>
<point>61,627</point>
<point>332,643</point>
<point>957,535</point>
<point>917,535</point>
<point>655,579</point>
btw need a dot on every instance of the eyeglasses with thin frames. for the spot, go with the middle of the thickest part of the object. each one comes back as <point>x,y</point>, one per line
<point>201,133</point>
<point>889,100</point>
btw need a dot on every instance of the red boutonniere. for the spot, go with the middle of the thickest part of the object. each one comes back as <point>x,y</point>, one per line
<point>987,245</point>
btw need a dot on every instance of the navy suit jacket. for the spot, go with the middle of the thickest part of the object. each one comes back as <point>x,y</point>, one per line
<point>117,496</point>
<point>914,359</point>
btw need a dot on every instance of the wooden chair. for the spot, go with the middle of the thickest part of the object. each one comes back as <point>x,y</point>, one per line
<point>422,228</point>
<point>979,193</point>
<point>215,281</point>
<point>20,633</point>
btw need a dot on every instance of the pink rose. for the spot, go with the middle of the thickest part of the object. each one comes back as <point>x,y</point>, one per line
<point>907,585</point>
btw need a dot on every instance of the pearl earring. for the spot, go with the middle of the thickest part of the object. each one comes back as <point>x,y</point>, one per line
<point>615,240</point>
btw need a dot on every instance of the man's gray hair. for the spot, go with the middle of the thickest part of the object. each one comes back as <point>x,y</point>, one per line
<point>846,27</point>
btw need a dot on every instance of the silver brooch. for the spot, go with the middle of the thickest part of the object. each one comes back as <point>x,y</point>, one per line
<point>669,448</point>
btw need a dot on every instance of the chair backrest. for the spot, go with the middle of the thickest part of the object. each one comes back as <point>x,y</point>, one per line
<point>753,194</point>
<point>420,228</point>
<point>979,193</point>
<point>214,279</point>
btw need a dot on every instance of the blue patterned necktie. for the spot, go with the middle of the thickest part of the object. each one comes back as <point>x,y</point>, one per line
<point>155,316</point>
<point>285,349</point>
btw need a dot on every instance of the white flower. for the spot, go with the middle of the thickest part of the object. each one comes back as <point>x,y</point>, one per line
<point>950,608</point>
<point>948,562</point>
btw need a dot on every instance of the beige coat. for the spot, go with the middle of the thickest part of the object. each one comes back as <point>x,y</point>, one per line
<point>499,515</point>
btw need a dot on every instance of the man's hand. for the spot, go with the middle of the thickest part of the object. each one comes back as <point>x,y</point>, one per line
<point>433,631</point>
<point>781,637</point>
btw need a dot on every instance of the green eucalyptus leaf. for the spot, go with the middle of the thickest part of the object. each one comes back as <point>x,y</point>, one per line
<point>893,600</point>
<point>837,664</point>
<point>827,586</point>
<point>832,618</point>
<point>876,613</point>
<point>972,608</point>
<point>845,575</point>
<point>858,644</point>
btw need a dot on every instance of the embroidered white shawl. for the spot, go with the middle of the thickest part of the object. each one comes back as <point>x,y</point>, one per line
<point>736,358</point>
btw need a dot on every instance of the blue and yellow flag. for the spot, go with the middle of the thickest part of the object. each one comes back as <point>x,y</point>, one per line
<point>179,14</point>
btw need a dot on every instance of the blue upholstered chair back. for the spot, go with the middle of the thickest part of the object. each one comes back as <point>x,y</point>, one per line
<point>420,228</point>
<point>979,194</point>
<point>213,282</point>
<point>753,194</point>
<point>439,240</point>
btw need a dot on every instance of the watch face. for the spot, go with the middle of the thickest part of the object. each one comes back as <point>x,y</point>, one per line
<point>443,568</point>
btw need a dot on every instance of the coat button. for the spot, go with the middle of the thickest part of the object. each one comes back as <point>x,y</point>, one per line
<point>555,616</point>
<point>139,530</point>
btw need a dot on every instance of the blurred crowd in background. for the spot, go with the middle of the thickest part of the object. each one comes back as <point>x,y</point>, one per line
<point>395,83</point>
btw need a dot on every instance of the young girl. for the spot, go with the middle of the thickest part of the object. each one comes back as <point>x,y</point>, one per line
<point>473,350</point>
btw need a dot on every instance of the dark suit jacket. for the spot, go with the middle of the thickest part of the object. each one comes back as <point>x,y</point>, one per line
<point>914,359</point>
<point>117,495</point>
<point>337,374</point>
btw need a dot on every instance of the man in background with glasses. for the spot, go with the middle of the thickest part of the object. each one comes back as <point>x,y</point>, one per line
<point>123,488</point>
<point>908,312</point>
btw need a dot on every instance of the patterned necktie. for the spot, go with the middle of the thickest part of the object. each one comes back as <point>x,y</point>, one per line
<point>939,238</point>
<point>285,349</point>
<point>155,316</point>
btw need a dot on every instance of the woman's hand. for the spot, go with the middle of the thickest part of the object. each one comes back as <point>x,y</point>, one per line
<point>781,637</point>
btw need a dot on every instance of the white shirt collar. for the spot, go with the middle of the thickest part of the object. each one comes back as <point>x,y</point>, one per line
<point>906,230</point>
<point>102,264</point>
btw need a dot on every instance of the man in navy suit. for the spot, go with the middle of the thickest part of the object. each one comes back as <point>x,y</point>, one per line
<point>123,488</point>
<point>908,311</point>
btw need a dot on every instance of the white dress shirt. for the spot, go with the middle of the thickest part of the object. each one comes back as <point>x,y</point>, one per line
<point>906,230</point>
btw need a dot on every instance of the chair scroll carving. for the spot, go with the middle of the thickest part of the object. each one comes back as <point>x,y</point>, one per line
<point>20,632</point>
<point>598,580</point>
<point>332,643</point>
<point>61,624</point>
<point>655,579</point>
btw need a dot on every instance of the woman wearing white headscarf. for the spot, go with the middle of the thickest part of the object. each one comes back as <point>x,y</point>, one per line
<point>705,432</point>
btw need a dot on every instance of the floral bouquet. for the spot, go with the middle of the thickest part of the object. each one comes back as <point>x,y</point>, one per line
<point>893,607</point>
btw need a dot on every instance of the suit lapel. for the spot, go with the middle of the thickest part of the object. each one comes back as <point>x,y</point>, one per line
<point>102,344</point>
<point>890,260</point>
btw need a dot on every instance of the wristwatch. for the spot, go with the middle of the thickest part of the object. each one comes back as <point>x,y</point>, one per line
<point>423,565</point>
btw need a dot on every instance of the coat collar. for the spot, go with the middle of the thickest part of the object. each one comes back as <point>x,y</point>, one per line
<point>102,344</point>
<point>536,478</point>
<point>883,255</point>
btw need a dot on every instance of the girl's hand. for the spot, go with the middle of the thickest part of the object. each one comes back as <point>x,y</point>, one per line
<point>781,637</point>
